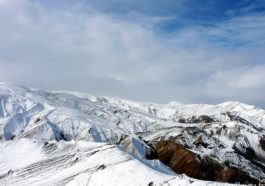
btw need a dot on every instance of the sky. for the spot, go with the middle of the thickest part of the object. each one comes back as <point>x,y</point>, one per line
<point>186,51</point>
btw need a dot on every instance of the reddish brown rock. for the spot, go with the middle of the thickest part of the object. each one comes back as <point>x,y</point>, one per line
<point>182,160</point>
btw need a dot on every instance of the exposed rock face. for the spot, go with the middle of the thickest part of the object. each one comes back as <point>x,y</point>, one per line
<point>262,142</point>
<point>184,161</point>
<point>197,119</point>
<point>135,147</point>
<point>243,147</point>
<point>202,152</point>
<point>179,159</point>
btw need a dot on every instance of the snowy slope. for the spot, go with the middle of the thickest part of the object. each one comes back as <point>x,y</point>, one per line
<point>60,138</point>
<point>80,163</point>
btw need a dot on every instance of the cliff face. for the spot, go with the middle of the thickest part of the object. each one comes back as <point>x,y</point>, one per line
<point>183,161</point>
<point>220,151</point>
<point>180,160</point>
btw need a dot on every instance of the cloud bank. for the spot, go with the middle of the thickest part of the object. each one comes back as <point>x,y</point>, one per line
<point>65,47</point>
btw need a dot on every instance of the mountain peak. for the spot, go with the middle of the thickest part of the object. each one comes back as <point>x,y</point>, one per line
<point>64,129</point>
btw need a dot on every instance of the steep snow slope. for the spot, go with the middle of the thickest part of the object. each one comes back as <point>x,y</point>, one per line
<point>80,163</point>
<point>60,130</point>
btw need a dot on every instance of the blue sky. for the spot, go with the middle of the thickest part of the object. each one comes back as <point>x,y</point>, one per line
<point>169,17</point>
<point>157,51</point>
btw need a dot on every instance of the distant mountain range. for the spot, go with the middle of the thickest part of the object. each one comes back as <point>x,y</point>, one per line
<point>70,138</point>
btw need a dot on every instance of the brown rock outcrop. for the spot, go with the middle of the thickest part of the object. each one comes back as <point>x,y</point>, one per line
<point>182,160</point>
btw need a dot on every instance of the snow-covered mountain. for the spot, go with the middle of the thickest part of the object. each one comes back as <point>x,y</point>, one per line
<point>69,138</point>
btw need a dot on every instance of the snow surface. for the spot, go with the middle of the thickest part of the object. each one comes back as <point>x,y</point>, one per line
<point>80,163</point>
<point>70,138</point>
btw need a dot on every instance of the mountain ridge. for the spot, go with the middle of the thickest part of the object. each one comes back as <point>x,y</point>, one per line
<point>227,138</point>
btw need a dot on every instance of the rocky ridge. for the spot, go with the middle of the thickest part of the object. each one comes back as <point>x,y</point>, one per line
<point>223,143</point>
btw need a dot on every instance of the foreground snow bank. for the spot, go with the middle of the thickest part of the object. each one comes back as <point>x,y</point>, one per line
<point>26,162</point>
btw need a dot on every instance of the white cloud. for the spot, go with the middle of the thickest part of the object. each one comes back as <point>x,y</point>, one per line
<point>102,54</point>
<point>243,77</point>
<point>252,77</point>
<point>245,31</point>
